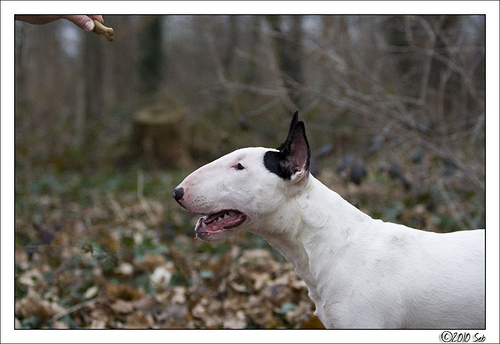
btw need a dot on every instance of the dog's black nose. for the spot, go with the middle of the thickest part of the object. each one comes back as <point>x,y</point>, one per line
<point>178,193</point>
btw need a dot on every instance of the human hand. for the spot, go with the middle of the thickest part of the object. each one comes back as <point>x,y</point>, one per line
<point>82,21</point>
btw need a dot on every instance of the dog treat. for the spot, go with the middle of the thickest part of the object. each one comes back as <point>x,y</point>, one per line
<point>100,29</point>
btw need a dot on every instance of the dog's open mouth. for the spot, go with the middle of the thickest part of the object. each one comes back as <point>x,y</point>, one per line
<point>215,226</point>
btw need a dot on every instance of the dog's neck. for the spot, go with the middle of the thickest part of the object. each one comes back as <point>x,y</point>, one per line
<point>322,230</point>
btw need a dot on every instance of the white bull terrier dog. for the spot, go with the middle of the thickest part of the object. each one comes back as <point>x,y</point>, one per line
<point>360,272</point>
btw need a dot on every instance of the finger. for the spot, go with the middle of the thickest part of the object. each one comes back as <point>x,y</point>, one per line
<point>82,21</point>
<point>99,18</point>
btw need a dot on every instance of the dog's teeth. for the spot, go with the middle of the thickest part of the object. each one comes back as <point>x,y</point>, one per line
<point>203,225</point>
<point>226,215</point>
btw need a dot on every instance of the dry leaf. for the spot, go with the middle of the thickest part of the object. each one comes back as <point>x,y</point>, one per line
<point>151,261</point>
<point>33,305</point>
<point>198,310</point>
<point>59,325</point>
<point>31,277</point>
<point>238,287</point>
<point>161,277</point>
<point>125,269</point>
<point>236,321</point>
<point>122,291</point>
<point>179,295</point>
<point>100,319</point>
<point>122,307</point>
<point>147,302</point>
<point>178,312</point>
<point>91,292</point>
<point>259,279</point>
<point>139,320</point>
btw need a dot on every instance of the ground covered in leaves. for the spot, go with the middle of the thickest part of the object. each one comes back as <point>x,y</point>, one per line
<point>105,251</point>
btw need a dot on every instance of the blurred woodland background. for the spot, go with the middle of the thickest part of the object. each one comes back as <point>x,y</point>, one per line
<point>394,108</point>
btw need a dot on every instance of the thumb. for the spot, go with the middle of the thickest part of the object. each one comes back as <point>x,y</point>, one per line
<point>83,22</point>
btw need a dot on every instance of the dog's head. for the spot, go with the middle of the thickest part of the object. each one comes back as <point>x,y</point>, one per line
<point>241,189</point>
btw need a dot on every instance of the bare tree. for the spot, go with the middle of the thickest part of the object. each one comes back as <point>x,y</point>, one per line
<point>287,33</point>
<point>150,50</point>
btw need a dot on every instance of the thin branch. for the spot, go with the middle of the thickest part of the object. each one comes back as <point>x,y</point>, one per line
<point>72,309</point>
<point>140,196</point>
<point>116,207</point>
<point>453,206</point>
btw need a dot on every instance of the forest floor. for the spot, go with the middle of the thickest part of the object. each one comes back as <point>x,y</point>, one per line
<point>115,251</point>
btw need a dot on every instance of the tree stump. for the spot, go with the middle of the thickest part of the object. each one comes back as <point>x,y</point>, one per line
<point>161,136</point>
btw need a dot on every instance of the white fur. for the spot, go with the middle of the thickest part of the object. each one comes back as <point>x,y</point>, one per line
<point>360,272</point>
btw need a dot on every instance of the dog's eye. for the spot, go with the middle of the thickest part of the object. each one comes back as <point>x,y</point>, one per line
<point>239,167</point>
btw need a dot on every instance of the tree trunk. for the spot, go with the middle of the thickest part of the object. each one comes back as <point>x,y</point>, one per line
<point>288,46</point>
<point>150,55</point>
<point>90,102</point>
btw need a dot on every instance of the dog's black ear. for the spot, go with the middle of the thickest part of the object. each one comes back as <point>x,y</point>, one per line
<point>292,160</point>
<point>295,120</point>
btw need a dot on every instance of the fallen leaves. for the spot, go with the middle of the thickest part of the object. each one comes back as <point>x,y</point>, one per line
<point>33,306</point>
<point>115,264</point>
<point>238,289</point>
<point>122,307</point>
